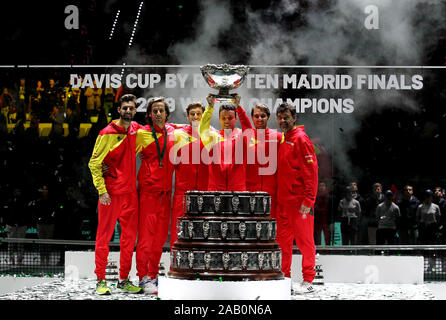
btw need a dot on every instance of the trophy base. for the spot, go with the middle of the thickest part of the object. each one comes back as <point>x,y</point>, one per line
<point>180,289</point>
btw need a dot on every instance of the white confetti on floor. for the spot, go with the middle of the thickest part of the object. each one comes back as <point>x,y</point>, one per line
<point>61,289</point>
<point>351,291</point>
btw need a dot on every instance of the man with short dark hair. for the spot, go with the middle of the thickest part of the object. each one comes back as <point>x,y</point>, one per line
<point>226,147</point>
<point>372,201</point>
<point>261,174</point>
<point>408,205</point>
<point>387,215</point>
<point>115,147</point>
<point>428,219</point>
<point>349,210</point>
<point>296,194</point>
<point>190,172</point>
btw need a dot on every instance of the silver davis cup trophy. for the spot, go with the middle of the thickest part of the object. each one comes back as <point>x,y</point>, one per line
<point>224,77</point>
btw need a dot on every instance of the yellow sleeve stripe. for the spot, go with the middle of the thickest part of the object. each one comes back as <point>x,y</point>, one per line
<point>145,138</point>
<point>253,142</point>
<point>104,144</point>
<point>283,138</point>
<point>182,139</point>
<point>208,137</point>
<point>212,139</point>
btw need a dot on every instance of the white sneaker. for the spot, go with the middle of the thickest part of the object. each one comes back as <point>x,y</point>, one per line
<point>149,285</point>
<point>304,287</point>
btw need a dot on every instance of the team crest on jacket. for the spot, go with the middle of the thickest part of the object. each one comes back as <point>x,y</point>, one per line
<point>252,142</point>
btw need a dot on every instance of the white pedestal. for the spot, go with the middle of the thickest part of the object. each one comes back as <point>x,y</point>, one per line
<point>179,289</point>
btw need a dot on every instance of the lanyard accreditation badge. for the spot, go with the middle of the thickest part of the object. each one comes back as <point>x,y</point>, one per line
<point>160,154</point>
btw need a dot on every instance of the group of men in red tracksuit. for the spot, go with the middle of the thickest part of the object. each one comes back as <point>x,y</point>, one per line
<point>163,148</point>
<point>203,158</point>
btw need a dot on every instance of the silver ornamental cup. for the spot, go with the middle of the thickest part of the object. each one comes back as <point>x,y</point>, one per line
<point>224,77</point>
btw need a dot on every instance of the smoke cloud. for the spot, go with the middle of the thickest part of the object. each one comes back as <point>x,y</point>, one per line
<point>329,33</point>
<point>336,35</point>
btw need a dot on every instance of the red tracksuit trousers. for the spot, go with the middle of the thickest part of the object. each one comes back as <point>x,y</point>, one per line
<point>154,216</point>
<point>292,226</point>
<point>125,208</point>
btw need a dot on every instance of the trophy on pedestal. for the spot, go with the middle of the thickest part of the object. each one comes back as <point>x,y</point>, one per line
<point>224,77</point>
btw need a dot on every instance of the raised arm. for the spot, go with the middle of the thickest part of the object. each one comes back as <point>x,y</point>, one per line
<point>208,137</point>
<point>244,119</point>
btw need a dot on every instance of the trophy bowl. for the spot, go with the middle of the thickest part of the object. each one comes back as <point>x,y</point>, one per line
<point>224,77</point>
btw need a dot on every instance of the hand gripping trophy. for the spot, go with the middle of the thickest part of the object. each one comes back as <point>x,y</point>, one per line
<point>224,77</point>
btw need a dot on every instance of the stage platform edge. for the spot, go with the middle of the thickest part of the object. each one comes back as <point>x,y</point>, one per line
<point>179,289</point>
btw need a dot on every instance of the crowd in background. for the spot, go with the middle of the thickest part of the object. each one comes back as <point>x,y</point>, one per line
<point>51,102</point>
<point>381,217</point>
<point>46,184</point>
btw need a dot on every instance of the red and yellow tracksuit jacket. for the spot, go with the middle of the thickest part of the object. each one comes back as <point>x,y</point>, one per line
<point>297,173</point>
<point>150,176</point>
<point>155,190</point>
<point>116,148</point>
<point>229,176</point>
<point>190,172</point>
<point>261,144</point>
<point>297,179</point>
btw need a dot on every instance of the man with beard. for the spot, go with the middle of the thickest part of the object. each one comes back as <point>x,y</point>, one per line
<point>261,175</point>
<point>115,147</point>
<point>296,194</point>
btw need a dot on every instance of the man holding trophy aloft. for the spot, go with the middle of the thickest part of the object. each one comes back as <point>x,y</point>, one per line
<point>226,156</point>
